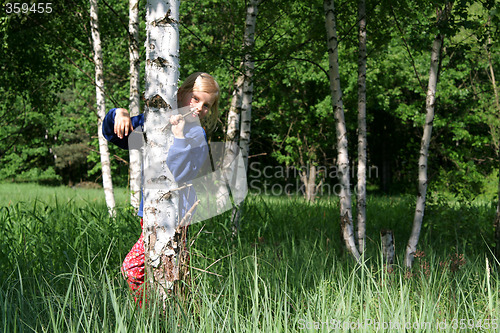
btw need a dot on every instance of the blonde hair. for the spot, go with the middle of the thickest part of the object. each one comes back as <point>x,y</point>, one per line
<point>203,82</point>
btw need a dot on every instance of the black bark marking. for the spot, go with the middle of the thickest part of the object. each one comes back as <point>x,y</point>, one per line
<point>156,102</point>
<point>158,180</point>
<point>160,62</point>
<point>167,20</point>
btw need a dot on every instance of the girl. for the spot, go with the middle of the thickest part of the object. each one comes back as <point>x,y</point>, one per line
<point>200,93</point>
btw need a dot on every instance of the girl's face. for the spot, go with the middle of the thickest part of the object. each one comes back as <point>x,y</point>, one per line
<point>200,101</point>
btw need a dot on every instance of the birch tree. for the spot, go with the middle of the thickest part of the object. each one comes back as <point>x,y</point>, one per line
<point>135,156</point>
<point>101,108</point>
<point>362,142</point>
<point>233,118</point>
<point>430,101</point>
<point>230,146</point>
<point>162,239</point>
<point>245,90</point>
<point>308,178</point>
<point>248,69</point>
<point>342,153</point>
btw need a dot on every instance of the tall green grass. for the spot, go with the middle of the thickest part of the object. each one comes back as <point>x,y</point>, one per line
<point>286,270</point>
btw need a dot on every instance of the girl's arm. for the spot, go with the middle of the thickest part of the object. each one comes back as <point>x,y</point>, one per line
<point>117,125</point>
<point>186,156</point>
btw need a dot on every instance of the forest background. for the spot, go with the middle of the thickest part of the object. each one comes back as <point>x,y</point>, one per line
<point>48,131</point>
<point>286,268</point>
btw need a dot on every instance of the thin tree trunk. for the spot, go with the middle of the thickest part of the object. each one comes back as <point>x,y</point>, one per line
<point>248,68</point>
<point>246,100</point>
<point>411,247</point>
<point>233,120</point>
<point>231,145</point>
<point>311,190</point>
<point>135,155</point>
<point>308,173</point>
<point>492,72</point>
<point>162,239</point>
<point>107,182</point>
<point>308,178</point>
<point>497,221</point>
<point>387,237</point>
<point>362,142</point>
<point>497,104</point>
<point>231,150</point>
<point>342,153</point>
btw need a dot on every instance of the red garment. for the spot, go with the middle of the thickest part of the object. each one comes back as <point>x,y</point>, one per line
<point>133,266</point>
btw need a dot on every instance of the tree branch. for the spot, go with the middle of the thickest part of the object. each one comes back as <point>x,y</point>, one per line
<point>422,86</point>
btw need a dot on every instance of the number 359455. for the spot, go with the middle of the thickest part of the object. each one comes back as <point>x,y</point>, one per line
<point>24,8</point>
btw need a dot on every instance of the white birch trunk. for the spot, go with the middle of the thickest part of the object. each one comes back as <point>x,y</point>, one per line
<point>362,142</point>
<point>135,155</point>
<point>492,72</point>
<point>308,178</point>
<point>342,153</point>
<point>231,148</point>
<point>248,68</point>
<point>233,119</point>
<point>247,93</point>
<point>311,184</point>
<point>411,248</point>
<point>162,239</point>
<point>497,103</point>
<point>388,251</point>
<point>107,182</point>
<point>230,145</point>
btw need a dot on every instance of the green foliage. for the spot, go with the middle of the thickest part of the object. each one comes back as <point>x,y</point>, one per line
<point>48,94</point>
<point>462,149</point>
<point>48,115</point>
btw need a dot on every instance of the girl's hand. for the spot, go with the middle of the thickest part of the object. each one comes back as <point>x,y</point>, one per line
<point>123,124</point>
<point>178,122</point>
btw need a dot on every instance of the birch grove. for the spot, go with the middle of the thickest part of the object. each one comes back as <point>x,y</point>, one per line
<point>342,153</point>
<point>362,142</point>
<point>162,239</point>
<point>430,101</point>
<point>135,155</point>
<point>107,182</point>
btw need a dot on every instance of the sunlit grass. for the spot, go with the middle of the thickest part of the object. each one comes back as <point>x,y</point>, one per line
<point>11,193</point>
<point>285,271</point>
